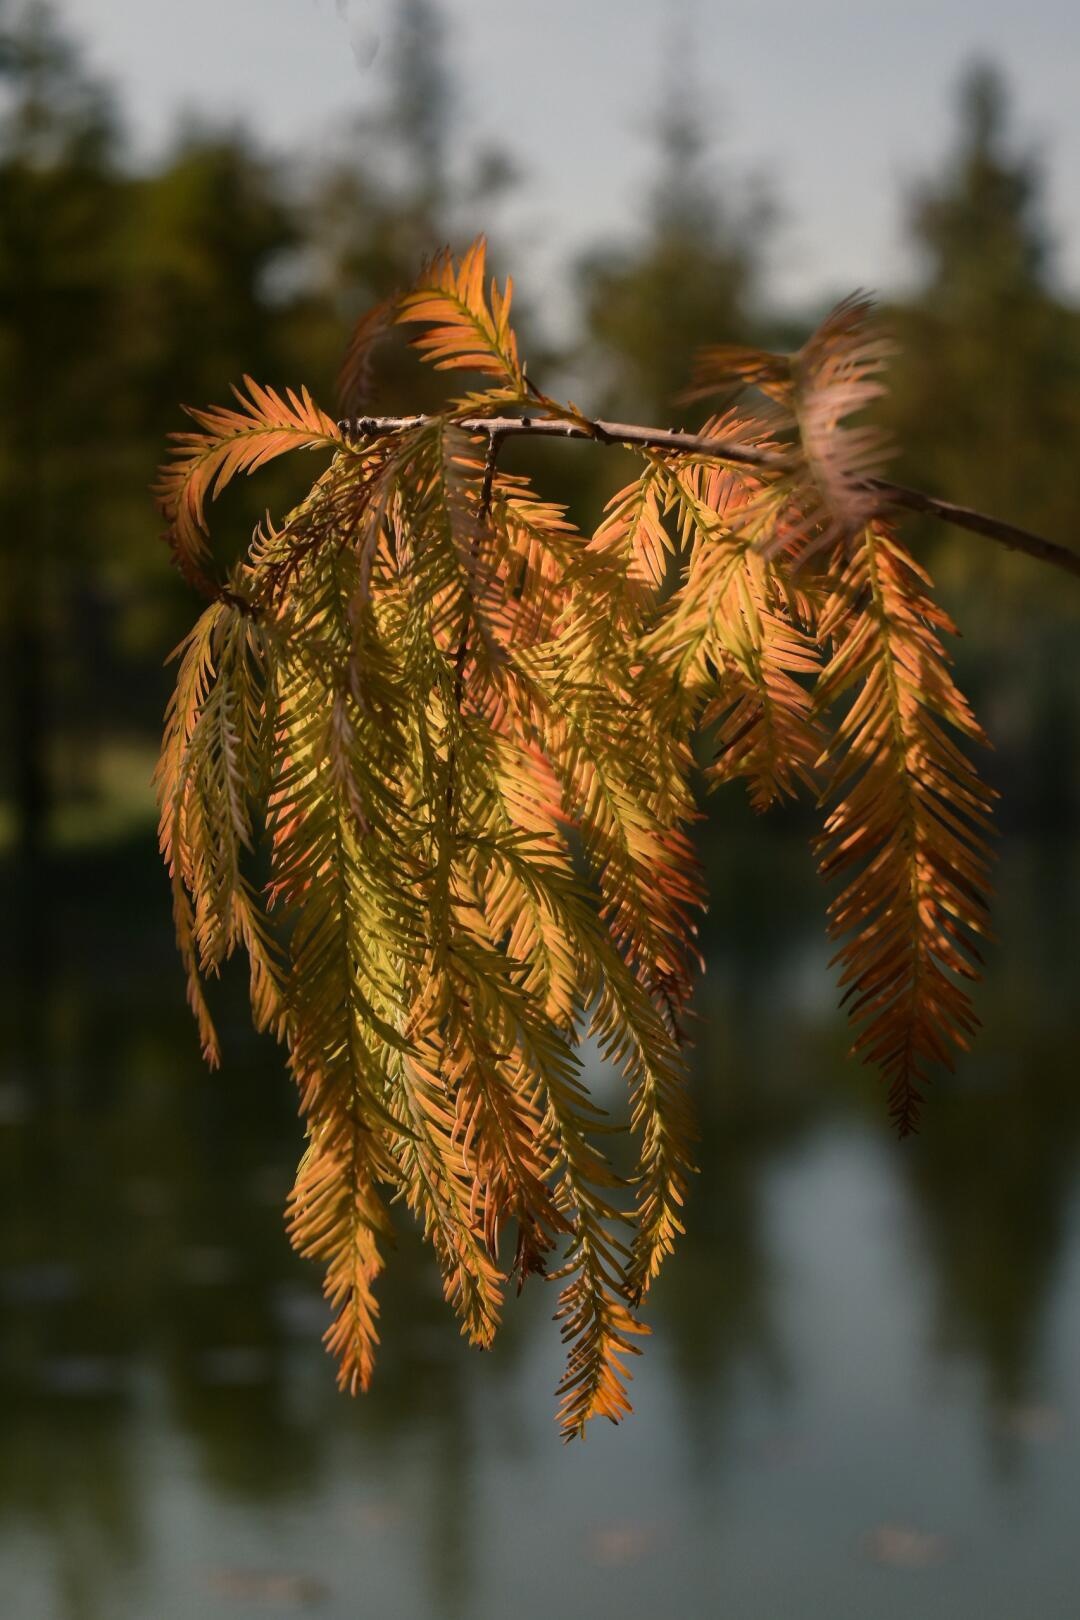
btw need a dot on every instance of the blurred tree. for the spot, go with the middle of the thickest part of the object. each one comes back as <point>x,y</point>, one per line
<point>381,205</point>
<point>984,393</point>
<point>204,240</point>
<point>690,277</point>
<point>123,293</point>
<point>120,294</point>
<point>982,232</point>
<point>421,98</point>
<point>61,201</point>
<point>990,354</point>
<point>207,231</point>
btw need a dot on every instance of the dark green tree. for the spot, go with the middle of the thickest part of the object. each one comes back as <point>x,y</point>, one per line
<point>207,236</point>
<point>382,203</point>
<point>690,276</point>
<point>984,393</point>
<point>986,388</point>
<point>61,201</point>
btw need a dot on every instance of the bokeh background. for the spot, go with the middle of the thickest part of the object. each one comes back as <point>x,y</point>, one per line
<point>862,1394</point>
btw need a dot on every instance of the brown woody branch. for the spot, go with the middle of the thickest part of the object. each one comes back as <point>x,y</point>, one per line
<point>498,428</point>
<point>965,517</point>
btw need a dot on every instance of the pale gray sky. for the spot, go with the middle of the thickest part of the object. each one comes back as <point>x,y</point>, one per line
<point>838,102</point>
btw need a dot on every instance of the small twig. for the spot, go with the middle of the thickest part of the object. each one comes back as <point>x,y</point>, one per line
<point>498,428</point>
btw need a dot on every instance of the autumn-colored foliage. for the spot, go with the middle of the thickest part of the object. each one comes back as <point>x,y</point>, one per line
<point>429,762</point>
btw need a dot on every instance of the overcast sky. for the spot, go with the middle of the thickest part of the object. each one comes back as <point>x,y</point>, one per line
<point>839,103</point>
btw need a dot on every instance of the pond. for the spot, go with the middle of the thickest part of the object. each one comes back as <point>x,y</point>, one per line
<point>861,1396</point>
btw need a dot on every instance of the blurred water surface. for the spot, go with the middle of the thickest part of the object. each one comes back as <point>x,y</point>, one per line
<point>862,1393</point>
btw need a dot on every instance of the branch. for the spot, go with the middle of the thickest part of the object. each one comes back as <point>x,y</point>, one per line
<point>552,427</point>
<point>964,517</point>
<point>498,428</point>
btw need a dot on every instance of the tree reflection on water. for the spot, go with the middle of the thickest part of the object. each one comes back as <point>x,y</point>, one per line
<point>159,1342</point>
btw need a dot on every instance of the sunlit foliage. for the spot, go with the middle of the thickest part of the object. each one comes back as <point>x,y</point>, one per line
<point>429,763</point>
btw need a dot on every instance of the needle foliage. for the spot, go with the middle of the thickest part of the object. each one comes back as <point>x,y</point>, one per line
<point>428,764</point>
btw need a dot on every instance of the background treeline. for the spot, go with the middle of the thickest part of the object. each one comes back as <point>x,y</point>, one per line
<point>123,293</point>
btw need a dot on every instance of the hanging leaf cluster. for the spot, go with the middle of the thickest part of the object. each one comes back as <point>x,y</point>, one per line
<point>428,765</point>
